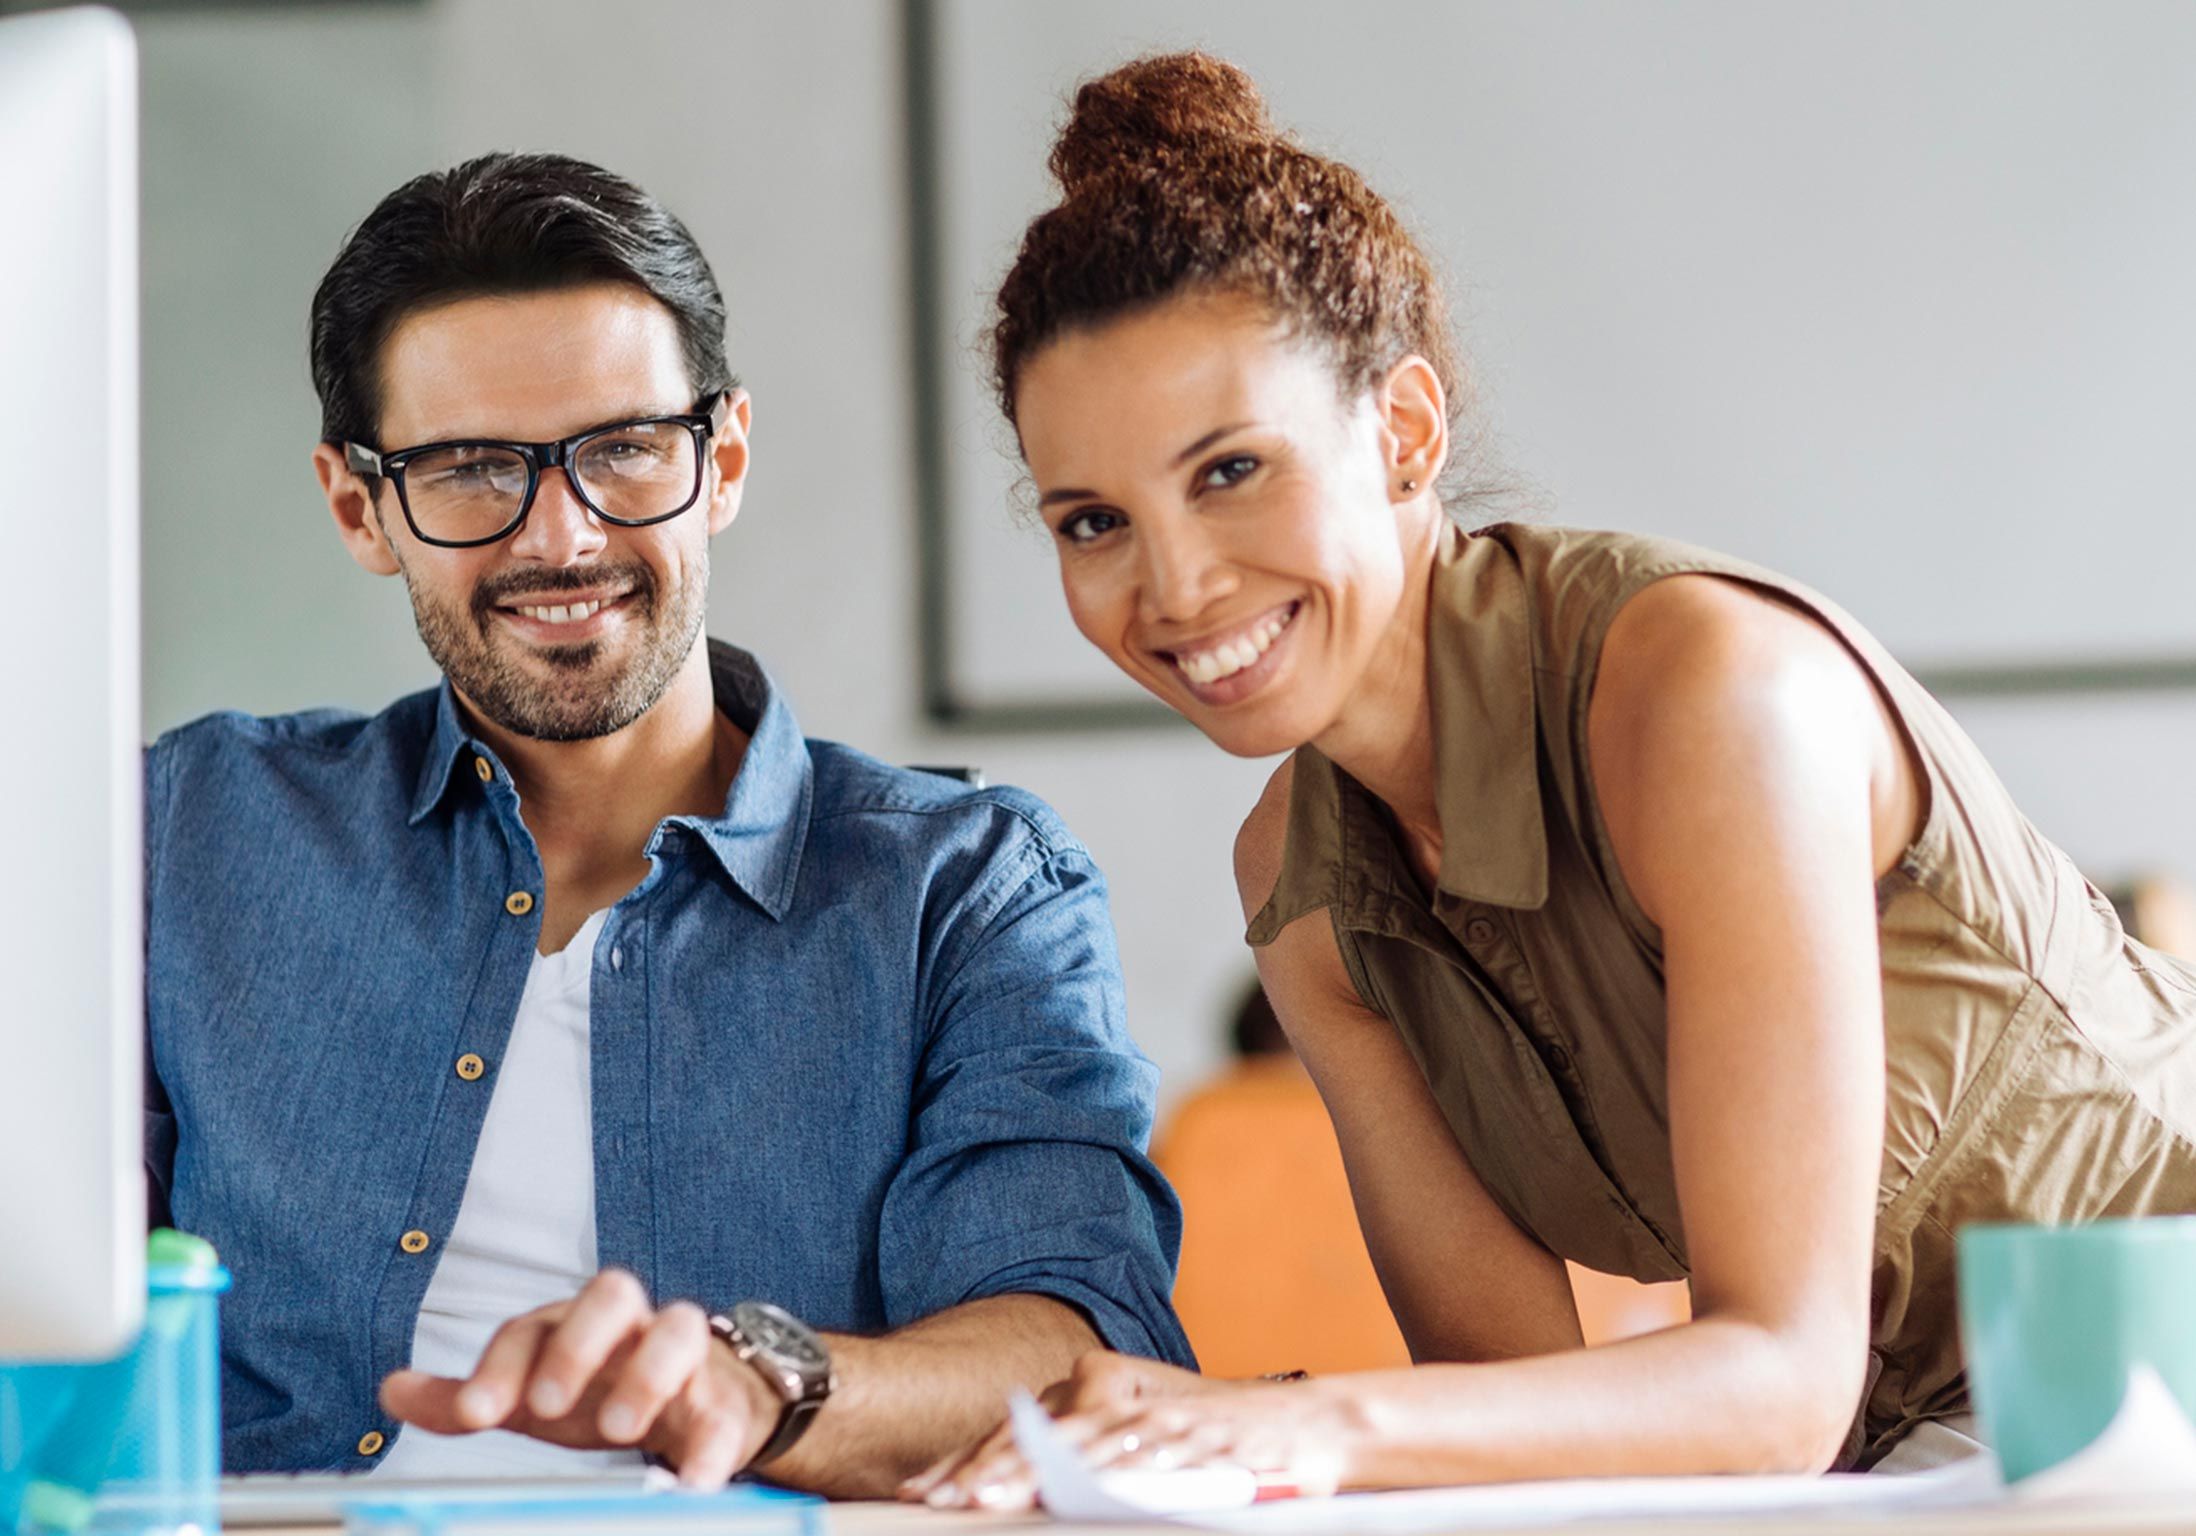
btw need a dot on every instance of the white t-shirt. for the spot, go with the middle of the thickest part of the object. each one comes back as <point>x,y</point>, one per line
<point>525,1232</point>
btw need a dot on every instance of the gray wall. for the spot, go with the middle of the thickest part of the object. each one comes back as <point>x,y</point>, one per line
<point>775,130</point>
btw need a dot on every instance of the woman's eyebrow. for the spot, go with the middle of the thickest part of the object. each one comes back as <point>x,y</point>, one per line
<point>1214,436</point>
<point>1066,493</point>
<point>1077,493</point>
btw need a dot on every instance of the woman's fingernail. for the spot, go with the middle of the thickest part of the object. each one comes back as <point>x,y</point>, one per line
<point>547,1399</point>
<point>991,1496</point>
<point>619,1421</point>
<point>944,1496</point>
<point>476,1404</point>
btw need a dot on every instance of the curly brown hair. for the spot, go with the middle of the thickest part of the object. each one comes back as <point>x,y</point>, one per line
<point>1173,179</point>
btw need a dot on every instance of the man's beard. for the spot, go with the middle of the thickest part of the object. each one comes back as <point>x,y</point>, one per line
<point>486,664</point>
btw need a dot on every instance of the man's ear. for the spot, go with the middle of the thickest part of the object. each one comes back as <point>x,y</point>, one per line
<point>728,458</point>
<point>352,507</point>
<point>1414,427</point>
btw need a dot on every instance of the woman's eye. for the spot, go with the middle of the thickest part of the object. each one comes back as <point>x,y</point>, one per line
<point>1229,471</point>
<point>1088,524</point>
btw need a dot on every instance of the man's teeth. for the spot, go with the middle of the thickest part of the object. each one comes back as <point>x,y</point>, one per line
<point>1232,656</point>
<point>563,613</point>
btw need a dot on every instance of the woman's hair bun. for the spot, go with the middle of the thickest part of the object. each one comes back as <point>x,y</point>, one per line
<point>1154,109</point>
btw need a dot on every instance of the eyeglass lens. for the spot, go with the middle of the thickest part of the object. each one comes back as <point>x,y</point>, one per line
<point>633,473</point>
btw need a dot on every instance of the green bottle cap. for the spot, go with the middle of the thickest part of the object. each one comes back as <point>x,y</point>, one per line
<point>167,1248</point>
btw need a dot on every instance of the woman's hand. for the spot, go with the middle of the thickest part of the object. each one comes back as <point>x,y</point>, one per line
<point>1128,1413</point>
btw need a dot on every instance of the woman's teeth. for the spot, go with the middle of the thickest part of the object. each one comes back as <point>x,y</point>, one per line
<point>563,613</point>
<point>1232,656</point>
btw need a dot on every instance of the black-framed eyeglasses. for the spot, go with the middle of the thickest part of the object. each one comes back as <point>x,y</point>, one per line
<point>475,491</point>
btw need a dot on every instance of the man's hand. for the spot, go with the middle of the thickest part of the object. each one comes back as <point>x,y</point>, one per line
<point>606,1369</point>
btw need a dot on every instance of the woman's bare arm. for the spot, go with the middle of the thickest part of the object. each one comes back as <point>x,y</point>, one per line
<point>1754,786</point>
<point>1464,1282</point>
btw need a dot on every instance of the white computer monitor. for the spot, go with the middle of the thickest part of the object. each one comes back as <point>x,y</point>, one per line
<point>72,1190</point>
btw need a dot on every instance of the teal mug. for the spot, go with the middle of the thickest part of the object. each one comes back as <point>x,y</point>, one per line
<point>2053,1319</point>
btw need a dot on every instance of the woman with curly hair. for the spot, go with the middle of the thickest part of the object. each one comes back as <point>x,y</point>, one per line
<point>1628,903</point>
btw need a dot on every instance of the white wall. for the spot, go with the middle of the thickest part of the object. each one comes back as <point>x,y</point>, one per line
<point>776,131</point>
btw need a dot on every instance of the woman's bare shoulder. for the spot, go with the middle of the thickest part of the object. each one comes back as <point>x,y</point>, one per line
<point>1260,841</point>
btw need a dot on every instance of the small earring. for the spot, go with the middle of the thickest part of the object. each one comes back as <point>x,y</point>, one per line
<point>1410,485</point>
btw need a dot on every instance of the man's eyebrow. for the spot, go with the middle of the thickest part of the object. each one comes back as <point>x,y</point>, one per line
<point>1077,493</point>
<point>637,412</point>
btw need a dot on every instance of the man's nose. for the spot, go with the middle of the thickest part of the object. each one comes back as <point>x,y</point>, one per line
<point>560,529</point>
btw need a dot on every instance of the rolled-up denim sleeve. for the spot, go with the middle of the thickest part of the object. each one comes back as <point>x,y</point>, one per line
<point>1026,1170</point>
<point>159,1115</point>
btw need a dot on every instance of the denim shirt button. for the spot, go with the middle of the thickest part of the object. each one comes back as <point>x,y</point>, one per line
<point>414,1241</point>
<point>470,1067</point>
<point>617,957</point>
<point>484,768</point>
<point>370,1443</point>
<point>518,903</point>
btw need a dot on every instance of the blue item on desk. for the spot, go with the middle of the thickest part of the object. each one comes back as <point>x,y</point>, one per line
<point>132,1444</point>
<point>743,1509</point>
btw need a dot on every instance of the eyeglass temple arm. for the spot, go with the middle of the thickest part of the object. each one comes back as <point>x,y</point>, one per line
<point>363,461</point>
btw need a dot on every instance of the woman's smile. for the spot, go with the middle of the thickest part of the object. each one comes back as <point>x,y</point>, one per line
<point>1228,665</point>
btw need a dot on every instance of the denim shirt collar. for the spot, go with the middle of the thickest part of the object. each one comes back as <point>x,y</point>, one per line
<point>758,839</point>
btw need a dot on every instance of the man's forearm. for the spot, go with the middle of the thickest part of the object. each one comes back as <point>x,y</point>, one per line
<point>906,1399</point>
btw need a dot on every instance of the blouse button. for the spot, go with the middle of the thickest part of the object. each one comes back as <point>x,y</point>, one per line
<point>414,1241</point>
<point>1479,931</point>
<point>370,1443</point>
<point>470,1067</point>
<point>518,903</point>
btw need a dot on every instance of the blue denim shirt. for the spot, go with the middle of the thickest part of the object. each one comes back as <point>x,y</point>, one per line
<point>857,1046</point>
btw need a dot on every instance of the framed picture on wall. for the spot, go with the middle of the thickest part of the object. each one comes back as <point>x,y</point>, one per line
<point>1893,300</point>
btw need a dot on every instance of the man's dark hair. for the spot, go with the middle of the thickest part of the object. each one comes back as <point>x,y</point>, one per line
<point>501,224</point>
<point>1255,1031</point>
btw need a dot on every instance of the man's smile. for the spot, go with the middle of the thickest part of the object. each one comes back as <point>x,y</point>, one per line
<point>565,618</point>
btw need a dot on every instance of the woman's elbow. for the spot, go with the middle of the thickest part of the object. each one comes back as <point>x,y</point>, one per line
<point>1806,1388</point>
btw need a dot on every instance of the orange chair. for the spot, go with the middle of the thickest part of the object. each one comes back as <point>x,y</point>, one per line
<point>1274,1272</point>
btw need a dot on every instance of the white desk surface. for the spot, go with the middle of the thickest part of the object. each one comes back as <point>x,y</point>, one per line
<point>884,1519</point>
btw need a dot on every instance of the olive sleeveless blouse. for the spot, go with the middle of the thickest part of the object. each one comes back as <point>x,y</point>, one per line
<point>2041,1064</point>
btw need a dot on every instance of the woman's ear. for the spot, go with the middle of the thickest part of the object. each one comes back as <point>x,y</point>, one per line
<point>1414,422</point>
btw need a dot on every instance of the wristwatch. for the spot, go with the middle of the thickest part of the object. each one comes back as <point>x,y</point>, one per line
<point>790,1356</point>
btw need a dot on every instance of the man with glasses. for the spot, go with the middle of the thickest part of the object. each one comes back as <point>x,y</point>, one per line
<point>573,1062</point>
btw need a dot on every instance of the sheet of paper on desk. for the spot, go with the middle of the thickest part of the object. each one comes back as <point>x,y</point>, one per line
<point>1072,1492</point>
<point>2146,1455</point>
<point>2147,1452</point>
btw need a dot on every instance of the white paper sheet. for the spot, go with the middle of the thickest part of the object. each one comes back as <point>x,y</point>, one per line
<point>1072,1492</point>
<point>2147,1453</point>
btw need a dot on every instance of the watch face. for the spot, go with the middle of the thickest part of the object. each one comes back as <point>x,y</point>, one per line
<point>777,1332</point>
